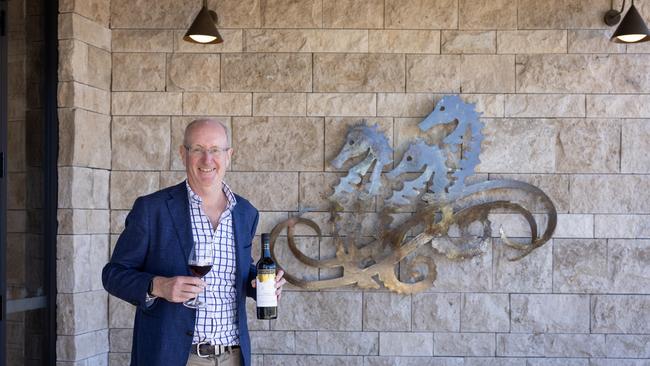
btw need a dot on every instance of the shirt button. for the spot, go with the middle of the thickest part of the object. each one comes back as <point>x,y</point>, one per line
<point>190,333</point>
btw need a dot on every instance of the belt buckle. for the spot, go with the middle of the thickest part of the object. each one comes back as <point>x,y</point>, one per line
<point>198,349</point>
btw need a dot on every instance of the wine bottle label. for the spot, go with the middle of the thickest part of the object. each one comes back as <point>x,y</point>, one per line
<point>266,289</point>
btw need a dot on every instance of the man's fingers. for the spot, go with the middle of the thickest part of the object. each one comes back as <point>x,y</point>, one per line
<point>280,283</point>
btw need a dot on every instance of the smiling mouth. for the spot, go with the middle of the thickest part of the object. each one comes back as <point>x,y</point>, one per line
<point>204,170</point>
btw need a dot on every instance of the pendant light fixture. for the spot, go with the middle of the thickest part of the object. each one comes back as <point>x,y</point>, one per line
<point>204,29</point>
<point>632,28</point>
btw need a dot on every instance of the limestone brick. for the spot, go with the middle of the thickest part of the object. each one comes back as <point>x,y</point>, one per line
<point>550,313</point>
<point>405,344</point>
<point>266,72</point>
<point>75,221</point>
<point>306,40</point>
<point>421,14</point>
<point>75,26</point>
<point>341,104</point>
<point>267,191</point>
<point>82,346</point>
<point>622,226</point>
<point>361,14</point>
<point>96,10</point>
<point>126,186</point>
<point>84,188</point>
<point>241,14</point>
<point>193,72</point>
<point>141,143</point>
<point>593,194</point>
<point>570,73</point>
<point>556,186</point>
<point>358,73</point>
<point>147,103</point>
<point>636,346</point>
<point>628,259</point>
<point>87,64</point>
<point>117,220</point>
<point>298,360</point>
<point>233,40</point>
<point>486,14</point>
<point>279,104</point>
<point>386,312</point>
<point>337,311</point>
<point>168,179</point>
<point>77,95</point>
<point>273,342</point>
<point>574,226</point>
<point>550,345</point>
<point>82,139</point>
<point>487,73</point>
<point>142,40</point>
<point>82,312</point>
<point>588,146</point>
<point>315,188</point>
<point>494,361</point>
<point>79,256</point>
<point>337,128</point>
<point>140,14</point>
<point>120,340</point>
<point>290,143</point>
<point>518,146</point>
<point>618,106</point>
<point>634,144</point>
<point>177,133</point>
<point>533,273</point>
<point>420,75</point>
<point>468,42</point>
<point>217,104</point>
<point>592,41</point>
<point>545,105</point>
<point>485,313</point>
<point>404,41</point>
<point>120,313</point>
<point>464,344</point>
<point>580,266</point>
<point>558,14</point>
<point>138,72</point>
<point>620,314</point>
<point>291,14</point>
<point>348,343</point>
<point>532,41</point>
<point>286,259</point>
<point>436,312</point>
<point>416,361</point>
<point>404,104</point>
<point>307,342</point>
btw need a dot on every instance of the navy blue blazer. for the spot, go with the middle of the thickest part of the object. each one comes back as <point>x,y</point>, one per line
<point>156,241</point>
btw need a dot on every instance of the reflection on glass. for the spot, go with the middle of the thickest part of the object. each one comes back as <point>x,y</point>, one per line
<point>25,251</point>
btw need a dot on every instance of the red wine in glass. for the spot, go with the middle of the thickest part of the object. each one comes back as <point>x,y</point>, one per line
<point>200,271</point>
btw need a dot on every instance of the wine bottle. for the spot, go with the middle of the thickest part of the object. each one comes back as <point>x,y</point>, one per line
<point>267,302</point>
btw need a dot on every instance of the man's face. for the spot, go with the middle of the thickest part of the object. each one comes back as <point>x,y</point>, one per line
<point>205,157</point>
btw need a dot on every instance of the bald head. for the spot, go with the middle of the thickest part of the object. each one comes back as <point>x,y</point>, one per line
<point>203,122</point>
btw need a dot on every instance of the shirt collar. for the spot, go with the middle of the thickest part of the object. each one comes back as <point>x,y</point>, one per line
<point>230,196</point>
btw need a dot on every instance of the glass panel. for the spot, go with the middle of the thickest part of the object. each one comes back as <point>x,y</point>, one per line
<point>25,152</point>
<point>25,337</point>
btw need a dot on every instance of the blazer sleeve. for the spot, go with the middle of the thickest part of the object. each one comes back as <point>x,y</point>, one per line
<point>123,276</point>
<point>250,291</point>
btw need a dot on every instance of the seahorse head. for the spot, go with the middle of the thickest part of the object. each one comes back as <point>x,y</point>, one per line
<point>358,141</point>
<point>414,158</point>
<point>447,110</point>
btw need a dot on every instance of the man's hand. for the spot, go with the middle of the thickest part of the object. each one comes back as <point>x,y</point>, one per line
<point>177,289</point>
<point>279,282</point>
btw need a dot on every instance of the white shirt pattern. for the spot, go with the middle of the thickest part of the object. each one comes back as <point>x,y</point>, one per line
<point>217,322</point>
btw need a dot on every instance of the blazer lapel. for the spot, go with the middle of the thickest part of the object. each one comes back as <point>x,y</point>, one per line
<point>239,228</point>
<point>179,211</point>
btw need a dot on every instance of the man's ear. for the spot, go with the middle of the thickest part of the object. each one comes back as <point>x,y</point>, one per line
<point>182,151</point>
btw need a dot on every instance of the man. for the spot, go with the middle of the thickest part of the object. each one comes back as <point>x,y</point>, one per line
<point>149,266</point>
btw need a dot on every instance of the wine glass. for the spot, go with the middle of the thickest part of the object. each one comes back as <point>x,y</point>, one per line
<point>200,263</point>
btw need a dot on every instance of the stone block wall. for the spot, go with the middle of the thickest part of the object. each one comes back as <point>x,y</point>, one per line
<point>84,95</point>
<point>564,109</point>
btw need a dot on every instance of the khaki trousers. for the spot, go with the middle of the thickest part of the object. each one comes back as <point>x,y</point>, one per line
<point>228,358</point>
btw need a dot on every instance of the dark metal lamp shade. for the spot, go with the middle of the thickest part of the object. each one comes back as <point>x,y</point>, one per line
<point>203,29</point>
<point>632,28</point>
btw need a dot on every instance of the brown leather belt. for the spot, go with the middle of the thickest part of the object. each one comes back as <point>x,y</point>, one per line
<point>207,349</point>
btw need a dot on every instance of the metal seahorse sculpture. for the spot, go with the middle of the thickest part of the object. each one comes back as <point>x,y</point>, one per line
<point>443,202</point>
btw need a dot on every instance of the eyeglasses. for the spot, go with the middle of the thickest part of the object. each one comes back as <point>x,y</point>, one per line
<point>200,151</point>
